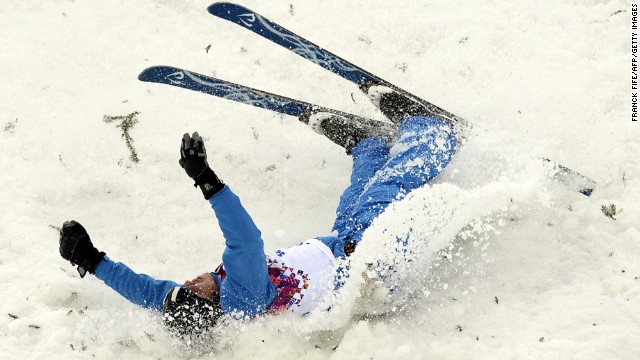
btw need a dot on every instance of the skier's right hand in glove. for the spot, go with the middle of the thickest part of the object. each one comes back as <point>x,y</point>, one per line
<point>193,159</point>
<point>76,246</point>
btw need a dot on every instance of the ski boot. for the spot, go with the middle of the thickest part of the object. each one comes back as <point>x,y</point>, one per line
<point>397,107</point>
<point>347,132</point>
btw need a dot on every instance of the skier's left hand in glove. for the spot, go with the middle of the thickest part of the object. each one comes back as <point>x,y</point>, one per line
<point>193,159</point>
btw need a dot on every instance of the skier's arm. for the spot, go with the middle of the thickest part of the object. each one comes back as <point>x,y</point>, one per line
<point>246,288</point>
<point>140,289</point>
<point>77,247</point>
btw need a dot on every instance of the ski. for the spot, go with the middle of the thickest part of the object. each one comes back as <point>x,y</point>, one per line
<point>304,111</point>
<point>271,31</point>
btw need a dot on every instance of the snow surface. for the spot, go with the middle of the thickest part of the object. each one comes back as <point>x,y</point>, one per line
<point>504,264</point>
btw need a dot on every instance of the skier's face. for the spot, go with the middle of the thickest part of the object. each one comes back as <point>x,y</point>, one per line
<point>204,286</point>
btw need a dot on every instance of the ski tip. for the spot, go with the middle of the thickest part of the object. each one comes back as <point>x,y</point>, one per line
<point>151,73</point>
<point>586,191</point>
<point>219,8</point>
<point>145,75</point>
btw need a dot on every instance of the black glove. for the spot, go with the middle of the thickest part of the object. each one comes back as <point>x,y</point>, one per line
<point>193,159</point>
<point>76,246</point>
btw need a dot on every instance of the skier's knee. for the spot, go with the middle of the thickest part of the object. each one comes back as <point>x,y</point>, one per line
<point>417,123</point>
<point>372,145</point>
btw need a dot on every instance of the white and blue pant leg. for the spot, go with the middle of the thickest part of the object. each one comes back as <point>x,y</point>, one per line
<point>381,175</point>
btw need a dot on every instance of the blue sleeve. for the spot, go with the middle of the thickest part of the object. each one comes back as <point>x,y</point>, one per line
<point>246,290</point>
<point>140,289</point>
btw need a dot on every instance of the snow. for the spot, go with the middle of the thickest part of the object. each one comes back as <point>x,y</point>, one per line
<point>504,264</point>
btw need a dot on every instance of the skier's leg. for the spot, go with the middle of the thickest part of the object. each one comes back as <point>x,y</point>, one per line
<point>424,147</point>
<point>368,157</point>
<point>140,289</point>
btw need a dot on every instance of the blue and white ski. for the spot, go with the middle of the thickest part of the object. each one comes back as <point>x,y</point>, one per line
<point>231,91</point>
<point>271,31</point>
<point>189,80</point>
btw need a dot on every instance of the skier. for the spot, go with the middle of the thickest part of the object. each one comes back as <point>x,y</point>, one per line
<point>386,167</point>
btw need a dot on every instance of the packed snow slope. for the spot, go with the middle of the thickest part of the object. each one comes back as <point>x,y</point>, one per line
<point>503,263</point>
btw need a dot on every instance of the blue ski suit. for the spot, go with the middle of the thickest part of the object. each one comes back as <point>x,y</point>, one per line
<point>380,176</point>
